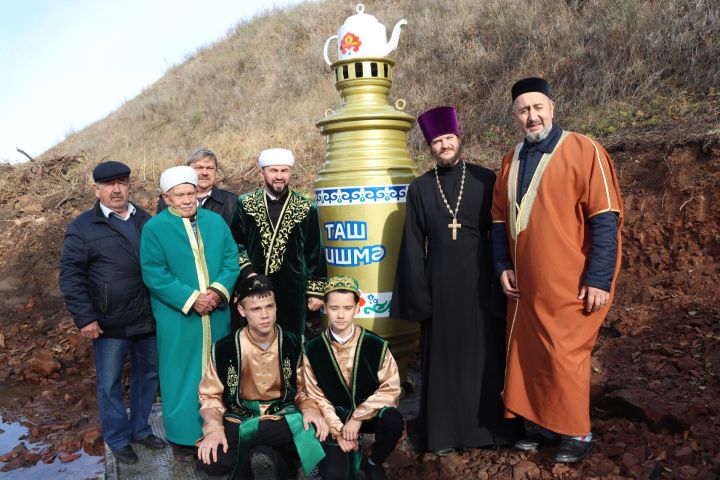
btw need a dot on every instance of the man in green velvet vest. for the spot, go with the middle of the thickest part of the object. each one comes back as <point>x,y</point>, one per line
<point>354,379</point>
<point>253,402</point>
<point>278,234</point>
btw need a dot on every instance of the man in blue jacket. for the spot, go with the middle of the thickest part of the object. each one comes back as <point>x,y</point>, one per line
<point>102,283</point>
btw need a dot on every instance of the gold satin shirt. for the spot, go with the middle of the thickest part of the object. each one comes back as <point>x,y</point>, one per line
<point>260,380</point>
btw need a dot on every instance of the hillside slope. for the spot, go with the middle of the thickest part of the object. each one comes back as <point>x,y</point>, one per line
<point>611,63</point>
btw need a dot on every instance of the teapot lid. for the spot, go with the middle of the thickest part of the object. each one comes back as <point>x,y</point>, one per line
<point>361,16</point>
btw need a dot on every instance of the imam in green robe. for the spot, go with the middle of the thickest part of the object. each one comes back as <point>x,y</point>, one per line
<point>181,259</point>
<point>281,239</point>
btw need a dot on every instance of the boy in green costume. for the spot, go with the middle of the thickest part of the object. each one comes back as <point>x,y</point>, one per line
<point>354,379</point>
<point>252,396</point>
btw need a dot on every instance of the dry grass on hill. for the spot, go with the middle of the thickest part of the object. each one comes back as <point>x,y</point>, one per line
<point>612,63</point>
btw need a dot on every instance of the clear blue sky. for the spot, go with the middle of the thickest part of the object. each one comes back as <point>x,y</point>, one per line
<point>66,63</point>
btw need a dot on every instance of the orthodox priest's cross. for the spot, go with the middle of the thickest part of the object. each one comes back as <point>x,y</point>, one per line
<point>454,225</point>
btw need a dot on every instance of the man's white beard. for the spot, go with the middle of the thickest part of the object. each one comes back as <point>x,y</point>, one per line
<point>538,137</point>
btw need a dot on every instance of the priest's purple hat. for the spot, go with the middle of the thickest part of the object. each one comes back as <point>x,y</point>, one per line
<point>438,121</point>
<point>530,84</point>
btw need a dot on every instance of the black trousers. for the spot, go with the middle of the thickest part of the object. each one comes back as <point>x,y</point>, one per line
<point>387,429</point>
<point>271,435</point>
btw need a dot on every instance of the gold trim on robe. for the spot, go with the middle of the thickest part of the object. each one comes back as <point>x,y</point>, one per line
<point>190,302</point>
<point>221,288</point>
<point>315,287</point>
<point>520,213</point>
<point>203,278</point>
<point>274,238</point>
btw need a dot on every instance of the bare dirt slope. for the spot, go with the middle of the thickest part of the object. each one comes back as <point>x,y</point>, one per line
<point>656,366</point>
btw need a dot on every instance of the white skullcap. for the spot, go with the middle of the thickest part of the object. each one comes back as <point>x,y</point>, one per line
<point>174,176</point>
<point>276,156</point>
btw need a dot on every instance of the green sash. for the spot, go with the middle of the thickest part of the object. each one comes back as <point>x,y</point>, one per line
<point>307,445</point>
<point>227,357</point>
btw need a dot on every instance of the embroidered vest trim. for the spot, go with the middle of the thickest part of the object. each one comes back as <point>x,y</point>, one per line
<point>227,356</point>
<point>369,356</point>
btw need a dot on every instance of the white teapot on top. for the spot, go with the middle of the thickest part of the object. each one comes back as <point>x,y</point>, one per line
<point>362,36</point>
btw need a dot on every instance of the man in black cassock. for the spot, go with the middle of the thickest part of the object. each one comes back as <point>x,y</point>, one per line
<point>445,280</point>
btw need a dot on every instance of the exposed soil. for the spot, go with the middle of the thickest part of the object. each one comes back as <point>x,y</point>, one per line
<point>655,368</point>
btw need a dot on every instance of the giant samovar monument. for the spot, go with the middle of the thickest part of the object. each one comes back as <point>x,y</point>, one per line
<point>362,187</point>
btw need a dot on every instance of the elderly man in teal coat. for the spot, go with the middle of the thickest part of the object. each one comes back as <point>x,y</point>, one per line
<point>190,264</point>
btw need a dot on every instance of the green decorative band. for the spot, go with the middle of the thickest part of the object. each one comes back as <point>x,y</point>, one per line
<point>375,304</point>
<point>378,308</point>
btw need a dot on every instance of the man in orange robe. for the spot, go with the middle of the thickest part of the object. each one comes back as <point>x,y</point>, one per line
<point>557,217</point>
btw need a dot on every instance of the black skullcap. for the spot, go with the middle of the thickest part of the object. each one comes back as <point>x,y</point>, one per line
<point>111,170</point>
<point>530,84</point>
<point>253,285</point>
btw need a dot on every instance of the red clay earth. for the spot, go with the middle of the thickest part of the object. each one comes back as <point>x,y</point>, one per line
<point>655,368</point>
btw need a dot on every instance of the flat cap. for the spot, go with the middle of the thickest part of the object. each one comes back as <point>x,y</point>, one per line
<point>253,285</point>
<point>110,170</point>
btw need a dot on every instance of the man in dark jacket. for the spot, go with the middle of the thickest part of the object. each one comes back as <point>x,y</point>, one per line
<point>102,283</point>
<point>222,202</point>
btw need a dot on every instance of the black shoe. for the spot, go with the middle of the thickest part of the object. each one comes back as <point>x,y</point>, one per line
<point>152,442</point>
<point>125,455</point>
<point>263,465</point>
<point>534,441</point>
<point>375,472</point>
<point>571,451</point>
<point>184,453</point>
<point>408,386</point>
<point>444,452</point>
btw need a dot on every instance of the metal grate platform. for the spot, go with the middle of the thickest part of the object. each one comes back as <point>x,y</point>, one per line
<point>152,464</point>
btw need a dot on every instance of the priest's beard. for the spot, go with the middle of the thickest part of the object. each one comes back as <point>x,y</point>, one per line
<point>276,190</point>
<point>539,136</point>
<point>449,162</point>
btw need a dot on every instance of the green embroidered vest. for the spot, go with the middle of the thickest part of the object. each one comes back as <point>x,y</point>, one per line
<point>227,357</point>
<point>369,357</point>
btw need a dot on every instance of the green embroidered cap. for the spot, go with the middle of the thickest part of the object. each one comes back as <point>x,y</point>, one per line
<point>342,283</point>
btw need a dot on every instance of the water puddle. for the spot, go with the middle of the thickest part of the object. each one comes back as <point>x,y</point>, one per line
<point>84,467</point>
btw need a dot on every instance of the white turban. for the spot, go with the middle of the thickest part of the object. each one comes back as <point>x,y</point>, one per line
<point>276,156</point>
<point>172,177</point>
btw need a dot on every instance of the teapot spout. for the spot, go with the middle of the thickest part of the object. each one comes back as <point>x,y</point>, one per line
<point>395,37</point>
